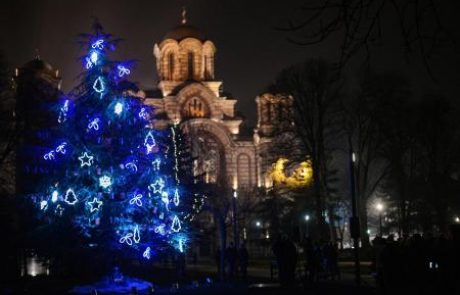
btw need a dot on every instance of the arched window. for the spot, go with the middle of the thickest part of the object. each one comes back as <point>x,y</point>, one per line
<point>195,108</point>
<point>244,171</point>
<point>171,66</point>
<point>190,65</point>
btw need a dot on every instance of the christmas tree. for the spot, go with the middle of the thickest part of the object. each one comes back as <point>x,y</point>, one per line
<point>122,184</point>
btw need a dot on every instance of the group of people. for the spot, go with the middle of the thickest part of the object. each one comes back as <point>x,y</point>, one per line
<point>235,261</point>
<point>419,264</point>
<point>320,260</point>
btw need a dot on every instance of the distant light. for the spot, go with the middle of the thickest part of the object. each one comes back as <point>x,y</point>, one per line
<point>379,207</point>
<point>307,217</point>
<point>258,223</point>
<point>235,194</point>
<point>353,157</point>
<point>118,108</point>
<point>457,219</point>
<point>368,231</point>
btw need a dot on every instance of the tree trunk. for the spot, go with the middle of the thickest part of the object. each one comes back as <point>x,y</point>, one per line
<point>320,231</point>
<point>363,224</point>
<point>223,245</point>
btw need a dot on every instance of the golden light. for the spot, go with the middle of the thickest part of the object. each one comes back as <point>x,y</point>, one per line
<point>300,177</point>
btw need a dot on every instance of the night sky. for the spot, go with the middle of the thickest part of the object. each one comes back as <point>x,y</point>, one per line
<point>249,50</point>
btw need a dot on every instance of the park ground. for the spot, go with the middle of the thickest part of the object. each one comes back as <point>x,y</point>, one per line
<point>202,278</point>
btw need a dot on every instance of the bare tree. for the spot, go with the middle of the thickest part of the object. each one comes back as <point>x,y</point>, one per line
<point>8,136</point>
<point>440,140</point>
<point>365,116</point>
<point>360,25</point>
<point>315,89</point>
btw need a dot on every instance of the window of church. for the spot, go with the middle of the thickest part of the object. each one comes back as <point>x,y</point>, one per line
<point>195,108</point>
<point>190,65</point>
<point>171,66</point>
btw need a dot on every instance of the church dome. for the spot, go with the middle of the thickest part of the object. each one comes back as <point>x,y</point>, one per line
<point>39,65</point>
<point>185,31</point>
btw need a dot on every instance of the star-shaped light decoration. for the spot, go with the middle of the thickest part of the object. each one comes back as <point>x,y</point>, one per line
<point>95,205</point>
<point>105,181</point>
<point>86,160</point>
<point>157,186</point>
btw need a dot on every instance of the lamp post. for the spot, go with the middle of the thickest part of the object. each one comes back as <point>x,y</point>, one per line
<point>379,206</point>
<point>235,221</point>
<point>307,218</point>
<point>354,220</point>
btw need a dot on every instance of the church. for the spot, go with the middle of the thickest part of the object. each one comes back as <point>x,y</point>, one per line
<point>189,94</point>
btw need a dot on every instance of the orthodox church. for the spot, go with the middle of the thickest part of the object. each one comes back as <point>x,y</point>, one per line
<point>189,94</point>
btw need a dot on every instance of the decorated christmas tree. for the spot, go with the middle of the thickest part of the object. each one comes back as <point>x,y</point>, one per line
<point>123,185</point>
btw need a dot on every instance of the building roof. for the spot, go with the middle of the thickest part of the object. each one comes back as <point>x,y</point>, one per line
<point>39,65</point>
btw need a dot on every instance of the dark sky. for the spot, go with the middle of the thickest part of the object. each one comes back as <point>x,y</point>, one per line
<point>249,51</point>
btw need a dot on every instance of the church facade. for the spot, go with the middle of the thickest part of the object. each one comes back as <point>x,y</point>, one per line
<point>189,94</point>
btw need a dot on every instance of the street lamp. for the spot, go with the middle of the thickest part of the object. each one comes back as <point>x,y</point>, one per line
<point>457,219</point>
<point>235,225</point>
<point>379,206</point>
<point>307,218</point>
